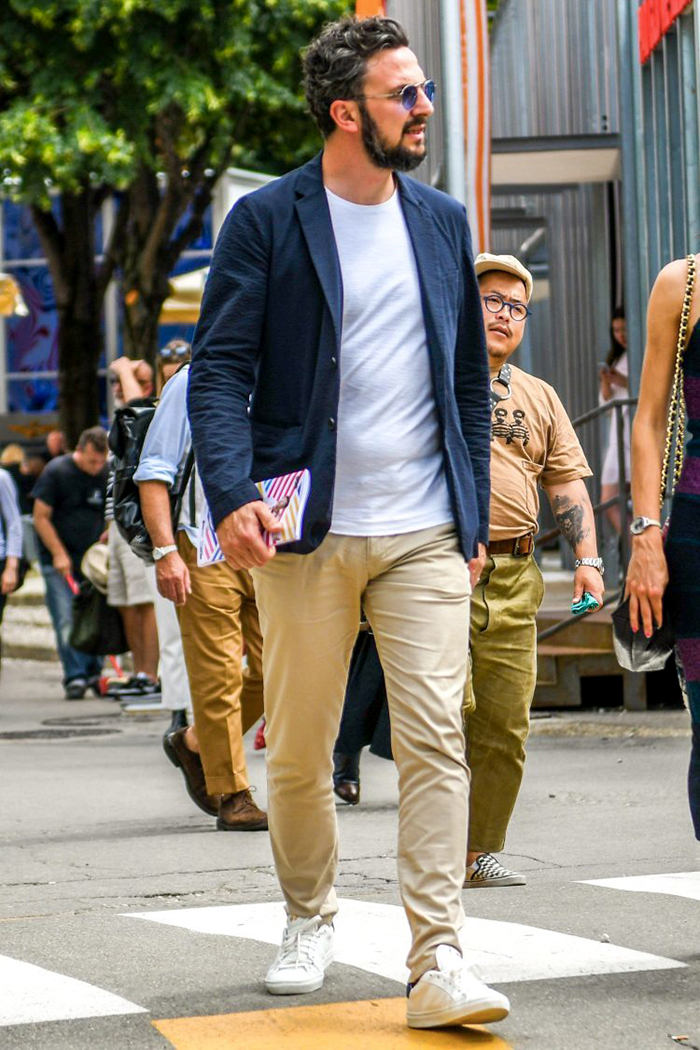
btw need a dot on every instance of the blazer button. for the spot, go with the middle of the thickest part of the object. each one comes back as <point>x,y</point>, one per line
<point>334,362</point>
<point>331,423</point>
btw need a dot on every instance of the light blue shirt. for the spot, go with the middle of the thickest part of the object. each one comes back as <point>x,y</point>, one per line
<point>10,519</point>
<point>166,446</point>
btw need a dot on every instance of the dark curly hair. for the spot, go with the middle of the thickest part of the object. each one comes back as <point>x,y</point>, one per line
<point>335,62</point>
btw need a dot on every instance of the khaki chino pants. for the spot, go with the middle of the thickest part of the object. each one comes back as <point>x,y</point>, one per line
<point>218,614</point>
<point>500,687</point>
<point>414,589</point>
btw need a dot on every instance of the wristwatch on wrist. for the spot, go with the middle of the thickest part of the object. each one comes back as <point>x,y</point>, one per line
<point>160,552</point>
<point>595,563</point>
<point>640,524</point>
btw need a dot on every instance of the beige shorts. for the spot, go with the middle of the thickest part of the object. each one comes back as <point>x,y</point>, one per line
<point>127,580</point>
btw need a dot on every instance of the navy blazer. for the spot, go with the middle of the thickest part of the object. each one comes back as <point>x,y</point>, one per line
<point>264,380</point>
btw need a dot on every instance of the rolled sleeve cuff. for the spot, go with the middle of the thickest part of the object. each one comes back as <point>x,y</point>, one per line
<point>155,470</point>
<point>482,535</point>
<point>237,496</point>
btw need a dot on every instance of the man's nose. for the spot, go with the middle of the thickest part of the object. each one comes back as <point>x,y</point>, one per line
<point>423,106</point>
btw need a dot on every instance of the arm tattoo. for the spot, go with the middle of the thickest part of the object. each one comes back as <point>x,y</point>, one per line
<point>569,519</point>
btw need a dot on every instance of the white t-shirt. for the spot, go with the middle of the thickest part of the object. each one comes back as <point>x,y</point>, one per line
<point>390,475</point>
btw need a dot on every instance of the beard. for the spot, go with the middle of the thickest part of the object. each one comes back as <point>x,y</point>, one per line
<point>394,158</point>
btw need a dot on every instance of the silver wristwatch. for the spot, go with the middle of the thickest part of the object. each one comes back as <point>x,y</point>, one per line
<point>160,552</point>
<point>595,563</point>
<point>640,524</point>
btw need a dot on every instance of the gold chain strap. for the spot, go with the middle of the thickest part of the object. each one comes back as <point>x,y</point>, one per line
<point>676,408</point>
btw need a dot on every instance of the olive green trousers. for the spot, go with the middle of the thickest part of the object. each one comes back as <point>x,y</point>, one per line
<point>500,686</point>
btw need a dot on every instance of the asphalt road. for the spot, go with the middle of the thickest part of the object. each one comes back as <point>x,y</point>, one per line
<point>127,921</point>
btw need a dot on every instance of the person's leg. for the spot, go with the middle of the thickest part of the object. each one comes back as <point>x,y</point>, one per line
<point>688,665</point>
<point>142,635</point>
<point>309,613</point>
<point>252,693</point>
<point>59,601</point>
<point>175,686</point>
<point>417,603</point>
<point>503,676</point>
<point>612,513</point>
<point>212,644</point>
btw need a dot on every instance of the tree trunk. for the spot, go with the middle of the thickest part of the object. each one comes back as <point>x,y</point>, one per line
<point>142,315</point>
<point>70,251</point>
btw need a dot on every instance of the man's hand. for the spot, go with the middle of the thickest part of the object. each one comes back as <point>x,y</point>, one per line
<point>173,578</point>
<point>647,577</point>
<point>124,364</point>
<point>62,563</point>
<point>586,578</point>
<point>240,535</point>
<point>476,565</point>
<point>9,578</point>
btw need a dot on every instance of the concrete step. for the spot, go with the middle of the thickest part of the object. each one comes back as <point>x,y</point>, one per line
<point>27,632</point>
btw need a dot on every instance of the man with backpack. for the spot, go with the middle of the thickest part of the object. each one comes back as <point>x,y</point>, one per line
<point>217,611</point>
<point>128,585</point>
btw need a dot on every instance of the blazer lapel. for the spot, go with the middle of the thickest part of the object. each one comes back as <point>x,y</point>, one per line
<point>422,233</point>
<point>315,219</point>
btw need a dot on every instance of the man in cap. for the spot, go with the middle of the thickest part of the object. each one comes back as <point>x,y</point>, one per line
<point>532,443</point>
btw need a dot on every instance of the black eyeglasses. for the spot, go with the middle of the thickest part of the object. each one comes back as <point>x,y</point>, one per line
<point>494,303</point>
<point>174,353</point>
<point>408,95</point>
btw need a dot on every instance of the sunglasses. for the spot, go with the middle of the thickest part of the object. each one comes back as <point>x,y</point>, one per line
<point>408,95</point>
<point>174,353</point>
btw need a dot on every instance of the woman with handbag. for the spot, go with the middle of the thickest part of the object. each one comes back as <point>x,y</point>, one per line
<point>663,579</point>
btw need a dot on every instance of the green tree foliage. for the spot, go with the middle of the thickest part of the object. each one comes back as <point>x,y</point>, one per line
<point>151,99</point>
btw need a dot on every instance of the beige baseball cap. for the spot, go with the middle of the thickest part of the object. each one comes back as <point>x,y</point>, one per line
<point>485,262</point>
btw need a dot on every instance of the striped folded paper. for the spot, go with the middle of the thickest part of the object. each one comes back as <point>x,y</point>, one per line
<point>286,496</point>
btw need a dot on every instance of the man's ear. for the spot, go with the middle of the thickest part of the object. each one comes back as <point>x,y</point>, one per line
<point>346,115</point>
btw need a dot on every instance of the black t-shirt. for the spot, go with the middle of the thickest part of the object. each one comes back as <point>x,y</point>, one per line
<point>78,503</point>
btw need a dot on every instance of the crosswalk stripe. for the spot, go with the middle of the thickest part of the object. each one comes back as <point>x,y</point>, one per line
<point>679,884</point>
<point>375,937</point>
<point>373,1025</point>
<point>31,994</point>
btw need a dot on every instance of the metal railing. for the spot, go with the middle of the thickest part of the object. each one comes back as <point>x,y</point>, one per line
<point>615,406</point>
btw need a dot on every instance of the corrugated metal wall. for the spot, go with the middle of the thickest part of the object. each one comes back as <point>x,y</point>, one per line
<point>422,23</point>
<point>554,73</point>
<point>554,68</point>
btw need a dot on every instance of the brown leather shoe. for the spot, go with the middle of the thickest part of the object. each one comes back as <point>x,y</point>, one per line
<point>238,812</point>
<point>348,791</point>
<point>191,765</point>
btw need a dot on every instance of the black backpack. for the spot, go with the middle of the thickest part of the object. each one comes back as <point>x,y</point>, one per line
<point>126,437</point>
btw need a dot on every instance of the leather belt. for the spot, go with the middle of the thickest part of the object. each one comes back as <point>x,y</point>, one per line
<point>518,546</point>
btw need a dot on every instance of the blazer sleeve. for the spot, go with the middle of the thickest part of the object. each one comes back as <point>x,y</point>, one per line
<point>472,385</point>
<point>225,352</point>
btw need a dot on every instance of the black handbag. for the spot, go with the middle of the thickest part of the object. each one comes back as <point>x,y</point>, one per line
<point>97,627</point>
<point>636,652</point>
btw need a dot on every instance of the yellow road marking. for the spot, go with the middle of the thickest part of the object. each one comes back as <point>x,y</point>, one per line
<point>371,1025</point>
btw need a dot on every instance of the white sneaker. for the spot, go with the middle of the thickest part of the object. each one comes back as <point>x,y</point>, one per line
<point>306,952</point>
<point>451,994</point>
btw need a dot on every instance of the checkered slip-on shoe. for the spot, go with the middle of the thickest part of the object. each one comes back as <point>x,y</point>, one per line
<point>487,871</point>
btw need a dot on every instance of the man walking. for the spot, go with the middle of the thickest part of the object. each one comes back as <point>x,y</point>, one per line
<point>69,508</point>
<point>532,442</point>
<point>343,298</point>
<point>216,609</point>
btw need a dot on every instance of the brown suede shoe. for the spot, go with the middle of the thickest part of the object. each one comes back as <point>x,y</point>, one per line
<point>191,765</point>
<point>238,812</point>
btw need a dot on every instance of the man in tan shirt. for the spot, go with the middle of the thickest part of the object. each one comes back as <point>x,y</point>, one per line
<point>532,444</point>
